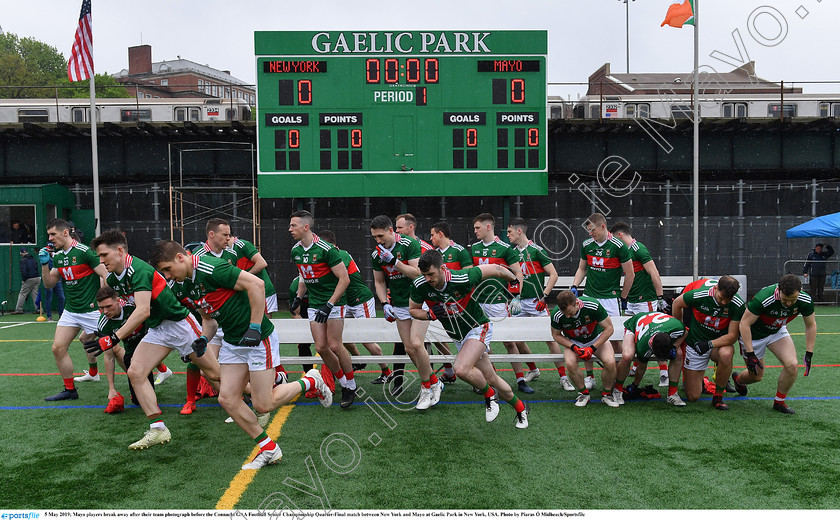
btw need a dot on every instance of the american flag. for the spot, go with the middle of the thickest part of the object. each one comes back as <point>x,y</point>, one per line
<point>81,57</point>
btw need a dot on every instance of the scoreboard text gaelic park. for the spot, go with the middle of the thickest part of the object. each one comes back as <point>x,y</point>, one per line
<point>365,114</point>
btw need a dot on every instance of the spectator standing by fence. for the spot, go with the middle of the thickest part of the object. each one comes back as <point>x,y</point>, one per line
<point>815,269</point>
<point>30,280</point>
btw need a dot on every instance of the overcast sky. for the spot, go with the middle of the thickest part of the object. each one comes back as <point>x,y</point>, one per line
<point>583,34</point>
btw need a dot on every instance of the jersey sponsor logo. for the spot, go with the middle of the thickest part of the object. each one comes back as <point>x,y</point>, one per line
<point>716,323</point>
<point>311,272</point>
<point>213,302</point>
<point>603,262</point>
<point>530,267</point>
<point>75,272</point>
<point>485,260</point>
<point>774,322</point>
<point>582,331</point>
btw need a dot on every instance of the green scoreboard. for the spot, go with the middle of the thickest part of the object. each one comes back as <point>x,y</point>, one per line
<point>411,113</point>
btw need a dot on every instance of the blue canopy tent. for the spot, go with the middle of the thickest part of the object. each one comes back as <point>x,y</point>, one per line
<point>825,226</point>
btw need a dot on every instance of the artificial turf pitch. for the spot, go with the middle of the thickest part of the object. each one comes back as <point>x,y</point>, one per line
<point>385,455</point>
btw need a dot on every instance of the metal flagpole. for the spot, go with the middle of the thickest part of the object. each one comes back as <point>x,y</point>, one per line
<point>94,156</point>
<point>696,187</point>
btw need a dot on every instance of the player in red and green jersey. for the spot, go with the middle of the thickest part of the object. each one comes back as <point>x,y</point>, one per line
<point>78,267</point>
<point>582,326</point>
<point>455,257</point>
<point>536,267</point>
<point>712,332</point>
<point>603,259</point>
<point>360,305</point>
<point>448,295</point>
<point>394,263</point>
<point>406,225</point>
<point>493,295</point>
<point>251,260</point>
<point>646,294</point>
<point>324,277</point>
<point>658,336</point>
<point>171,327</point>
<point>235,299</point>
<point>115,311</point>
<point>764,326</point>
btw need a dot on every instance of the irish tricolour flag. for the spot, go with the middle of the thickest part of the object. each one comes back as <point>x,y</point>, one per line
<point>680,14</point>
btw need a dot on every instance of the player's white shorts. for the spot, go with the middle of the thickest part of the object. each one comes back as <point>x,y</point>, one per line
<point>264,356</point>
<point>529,308</point>
<point>363,310</point>
<point>611,304</point>
<point>695,361</point>
<point>495,310</point>
<point>271,303</point>
<point>337,313</point>
<point>640,307</point>
<point>402,313</point>
<point>87,321</point>
<point>217,339</point>
<point>177,335</point>
<point>760,345</point>
<point>483,333</point>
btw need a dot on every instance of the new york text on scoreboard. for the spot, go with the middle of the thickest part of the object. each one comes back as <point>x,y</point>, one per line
<point>401,113</point>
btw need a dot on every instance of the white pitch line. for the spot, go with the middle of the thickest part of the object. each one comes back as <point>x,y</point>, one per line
<point>17,324</point>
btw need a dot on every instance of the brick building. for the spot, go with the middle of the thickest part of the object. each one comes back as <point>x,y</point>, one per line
<point>179,78</point>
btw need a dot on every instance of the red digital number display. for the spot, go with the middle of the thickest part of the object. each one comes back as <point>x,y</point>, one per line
<point>412,70</point>
<point>432,70</point>
<point>294,138</point>
<point>472,137</point>
<point>372,70</point>
<point>356,138</point>
<point>392,70</point>
<point>517,91</point>
<point>305,92</point>
<point>533,137</point>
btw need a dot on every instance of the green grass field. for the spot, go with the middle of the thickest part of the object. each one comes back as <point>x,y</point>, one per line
<point>644,455</point>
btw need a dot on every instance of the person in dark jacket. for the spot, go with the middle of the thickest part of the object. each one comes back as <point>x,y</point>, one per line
<point>815,269</point>
<point>31,279</point>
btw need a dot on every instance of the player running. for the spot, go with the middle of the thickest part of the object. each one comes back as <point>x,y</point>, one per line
<point>582,326</point>
<point>715,314</point>
<point>533,292</point>
<point>250,259</point>
<point>394,263</point>
<point>654,336</point>
<point>493,295</point>
<point>448,295</point>
<point>360,305</point>
<point>82,274</point>
<point>455,258</point>
<point>324,277</point>
<point>236,300</point>
<point>764,327</point>
<point>646,294</point>
<point>171,327</point>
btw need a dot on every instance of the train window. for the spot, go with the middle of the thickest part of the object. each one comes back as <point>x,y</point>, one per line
<point>246,114</point>
<point>643,110</point>
<point>230,114</point>
<point>824,109</point>
<point>187,114</point>
<point>775,109</point>
<point>78,114</point>
<point>835,112</point>
<point>556,112</point>
<point>128,115</point>
<point>629,110</point>
<point>735,110</point>
<point>33,115</point>
<point>594,112</point>
<point>681,111</point>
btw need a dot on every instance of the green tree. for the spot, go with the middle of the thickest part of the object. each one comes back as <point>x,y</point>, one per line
<point>32,69</point>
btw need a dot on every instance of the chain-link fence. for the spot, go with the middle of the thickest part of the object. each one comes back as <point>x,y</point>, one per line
<point>742,226</point>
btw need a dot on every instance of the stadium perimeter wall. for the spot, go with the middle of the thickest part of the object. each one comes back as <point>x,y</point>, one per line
<point>742,224</point>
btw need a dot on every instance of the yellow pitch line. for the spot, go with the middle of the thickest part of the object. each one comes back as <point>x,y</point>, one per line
<point>243,479</point>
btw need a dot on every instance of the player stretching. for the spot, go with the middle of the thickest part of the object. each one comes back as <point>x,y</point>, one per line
<point>171,327</point>
<point>533,292</point>
<point>603,259</point>
<point>493,294</point>
<point>83,275</point>
<point>395,260</point>
<point>764,327</point>
<point>655,335</point>
<point>448,294</point>
<point>583,326</point>
<point>250,348</point>
<point>646,293</point>
<point>455,258</point>
<point>715,314</point>
<point>324,277</point>
<point>360,305</point>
